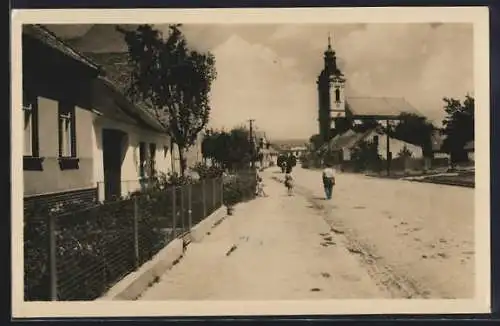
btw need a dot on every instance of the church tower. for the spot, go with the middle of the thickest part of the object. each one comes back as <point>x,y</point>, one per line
<point>331,93</point>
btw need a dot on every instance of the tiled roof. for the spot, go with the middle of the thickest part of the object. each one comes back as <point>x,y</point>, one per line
<point>118,75</point>
<point>379,106</point>
<point>48,38</point>
<point>115,83</point>
<point>348,139</point>
<point>132,110</point>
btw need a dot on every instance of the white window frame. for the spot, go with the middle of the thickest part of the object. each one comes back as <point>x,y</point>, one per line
<point>28,128</point>
<point>65,122</point>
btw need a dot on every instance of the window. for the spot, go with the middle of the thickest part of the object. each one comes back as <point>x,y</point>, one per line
<point>28,112</point>
<point>67,136</point>
<point>337,95</point>
<point>142,159</point>
<point>31,159</point>
<point>67,139</point>
<point>152,159</point>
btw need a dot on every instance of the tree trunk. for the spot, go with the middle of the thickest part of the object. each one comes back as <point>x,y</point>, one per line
<point>182,161</point>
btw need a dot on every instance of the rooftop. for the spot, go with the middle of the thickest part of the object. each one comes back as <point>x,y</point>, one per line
<point>379,107</point>
<point>48,38</point>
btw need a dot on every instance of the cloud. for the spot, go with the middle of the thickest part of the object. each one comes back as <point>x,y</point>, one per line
<point>252,83</point>
<point>271,70</point>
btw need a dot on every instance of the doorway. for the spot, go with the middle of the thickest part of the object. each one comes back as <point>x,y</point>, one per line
<point>112,145</point>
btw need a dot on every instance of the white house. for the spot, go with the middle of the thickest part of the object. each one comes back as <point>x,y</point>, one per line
<point>346,142</point>
<point>82,137</point>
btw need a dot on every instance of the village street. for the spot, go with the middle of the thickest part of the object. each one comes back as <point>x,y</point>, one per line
<point>419,235</point>
<point>377,238</point>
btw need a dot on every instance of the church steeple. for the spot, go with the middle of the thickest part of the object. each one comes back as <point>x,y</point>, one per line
<point>330,58</point>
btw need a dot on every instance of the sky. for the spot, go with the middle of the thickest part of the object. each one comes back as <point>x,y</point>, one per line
<point>268,72</point>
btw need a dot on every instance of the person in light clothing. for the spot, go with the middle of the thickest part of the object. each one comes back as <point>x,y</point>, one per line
<point>289,183</point>
<point>328,180</point>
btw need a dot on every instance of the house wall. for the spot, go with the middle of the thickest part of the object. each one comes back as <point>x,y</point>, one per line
<point>193,155</point>
<point>52,77</point>
<point>130,164</point>
<point>51,178</point>
<point>395,146</point>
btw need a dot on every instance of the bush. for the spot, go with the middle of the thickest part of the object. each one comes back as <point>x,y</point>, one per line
<point>239,187</point>
<point>208,172</point>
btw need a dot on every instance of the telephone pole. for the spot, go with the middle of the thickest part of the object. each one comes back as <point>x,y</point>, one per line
<point>251,121</point>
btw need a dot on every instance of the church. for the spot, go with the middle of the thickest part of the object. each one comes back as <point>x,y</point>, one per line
<point>334,104</point>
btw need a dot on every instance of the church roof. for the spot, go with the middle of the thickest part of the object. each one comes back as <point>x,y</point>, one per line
<point>379,107</point>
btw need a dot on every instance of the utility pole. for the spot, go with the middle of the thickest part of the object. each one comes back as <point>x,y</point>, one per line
<point>251,121</point>
<point>388,151</point>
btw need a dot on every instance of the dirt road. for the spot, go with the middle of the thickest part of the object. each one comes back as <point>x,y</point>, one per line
<point>274,248</point>
<point>413,236</point>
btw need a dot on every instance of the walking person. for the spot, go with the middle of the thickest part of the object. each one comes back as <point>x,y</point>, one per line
<point>328,180</point>
<point>260,187</point>
<point>289,183</point>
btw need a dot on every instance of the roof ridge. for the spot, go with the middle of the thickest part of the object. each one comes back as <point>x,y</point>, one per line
<point>82,56</point>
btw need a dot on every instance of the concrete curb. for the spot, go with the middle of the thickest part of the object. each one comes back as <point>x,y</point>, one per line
<point>200,230</point>
<point>135,283</point>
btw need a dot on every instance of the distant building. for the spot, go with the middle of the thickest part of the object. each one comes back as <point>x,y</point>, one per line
<point>334,104</point>
<point>269,155</point>
<point>344,144</point>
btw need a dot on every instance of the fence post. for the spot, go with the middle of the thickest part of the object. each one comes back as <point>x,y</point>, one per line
<point>174,210</point>
<point>183,224</point>
<point>136,231</point>
<point>190,206</point>
<point>204,197</point>
<point>52,257</point>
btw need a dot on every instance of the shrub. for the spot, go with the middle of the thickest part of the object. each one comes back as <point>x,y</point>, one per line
<point>208,172</point>
<point>239,187</point>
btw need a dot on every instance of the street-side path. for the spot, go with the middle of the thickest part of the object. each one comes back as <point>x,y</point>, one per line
<point>275,248</point>
<point>419,235</point>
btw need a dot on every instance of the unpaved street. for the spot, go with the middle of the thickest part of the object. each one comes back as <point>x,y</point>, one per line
<point>278,248</point>
<point>377,238</point>
<point>415,235</point>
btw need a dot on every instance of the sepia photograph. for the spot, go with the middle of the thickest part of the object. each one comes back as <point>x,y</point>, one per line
<point>276,161</point>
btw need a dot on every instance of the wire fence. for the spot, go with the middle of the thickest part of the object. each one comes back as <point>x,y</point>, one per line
<point>80,253</point>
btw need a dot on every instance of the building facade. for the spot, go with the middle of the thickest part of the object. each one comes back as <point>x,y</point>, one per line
<point>82,137</point>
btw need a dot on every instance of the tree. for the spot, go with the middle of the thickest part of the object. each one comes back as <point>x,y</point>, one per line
<point>365,125</point>
<point>458,127</point>
<point>173,80</point>
<point>229,149</point>
<point>282,162</point>
<point>291,162</point>
<point>405,152</point>
<point>341,126</point>
<point>365,156</point>
<point>316,141</point>
<point>416,130</point>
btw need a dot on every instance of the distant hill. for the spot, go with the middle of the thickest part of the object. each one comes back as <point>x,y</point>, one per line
<point>288,143</point>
